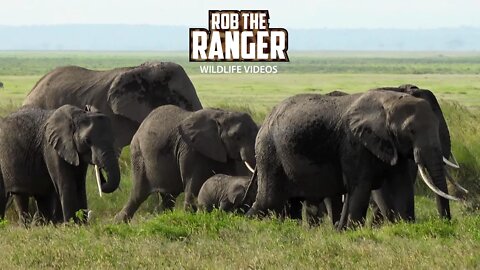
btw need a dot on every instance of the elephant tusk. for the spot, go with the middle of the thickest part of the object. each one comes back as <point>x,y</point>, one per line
<point>99,184</point>
<point>449,163</point>
<point>454,159</point>
<point>435,189</point>
<point>249,167</point>
<point>455,183</point>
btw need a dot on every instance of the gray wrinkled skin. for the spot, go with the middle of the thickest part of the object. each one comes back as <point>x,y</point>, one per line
<point>45,154</point>
<point>176,151</point>
<point>226,193</point>
<point>395,199</point>
<point>316,146</point>
<point>126,95</point>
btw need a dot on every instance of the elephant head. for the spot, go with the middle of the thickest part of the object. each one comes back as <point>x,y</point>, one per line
<point>221,135</point>
<point>428,96</point>
<point>137,91</point>
<point>444,133</point>
<point>392,124</point>
<point>81,136</point>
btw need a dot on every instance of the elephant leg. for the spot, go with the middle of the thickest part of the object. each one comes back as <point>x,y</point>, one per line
<point>271,182</point>
<point>140,192</point>
<point>21,204</point>
<point>333,207</point>
<point>189,204</point>
<point>56,206</point>
<point>382,206</point>
<point>168,201</point>
<point>65,179</point>
<point>358,204</point>
<point>398,191</point>
<point>294,208</point>
<point>226,206</point>
<point>82,197</point>
<point>3,205</point>
<point>377,216</point>
<point>136,199</point>
<point>69,202</point>
<point>359,177</point>
<point>314,211</point>
<point>273,200</point>
<point>45,209</point>
<point>3,197</point>
<point>193,181</point>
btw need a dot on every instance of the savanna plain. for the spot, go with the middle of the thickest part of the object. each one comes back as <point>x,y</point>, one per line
<point>217,240</point>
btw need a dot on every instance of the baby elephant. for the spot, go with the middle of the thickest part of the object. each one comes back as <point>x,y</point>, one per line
<point>226,193</point>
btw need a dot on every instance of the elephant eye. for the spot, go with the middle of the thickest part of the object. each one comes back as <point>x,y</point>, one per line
<point>88,141</point>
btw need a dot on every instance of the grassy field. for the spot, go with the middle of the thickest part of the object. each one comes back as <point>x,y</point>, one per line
<point>218,240</point>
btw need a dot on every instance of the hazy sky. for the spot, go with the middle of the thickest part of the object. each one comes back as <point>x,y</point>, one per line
<point>292,13</point>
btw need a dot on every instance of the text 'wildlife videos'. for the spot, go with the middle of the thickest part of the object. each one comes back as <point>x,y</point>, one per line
<point>250,69</point>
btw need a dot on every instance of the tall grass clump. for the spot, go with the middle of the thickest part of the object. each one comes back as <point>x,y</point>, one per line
<point>465,133</point>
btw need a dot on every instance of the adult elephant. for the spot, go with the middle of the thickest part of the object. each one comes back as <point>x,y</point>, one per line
<point>127,95</point>
<point>395,199</point>
<point>363,135</point>
<point>176,151</point>
<point>45,154</point>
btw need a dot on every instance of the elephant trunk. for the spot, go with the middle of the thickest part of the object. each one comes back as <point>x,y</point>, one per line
<point>438,176</point>
<point>109,163</point>
<point>433,174</point>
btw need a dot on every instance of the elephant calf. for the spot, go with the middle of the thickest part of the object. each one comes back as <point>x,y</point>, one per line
<point>176,151</point>
<point>228,193</point>
<point>45,154</point>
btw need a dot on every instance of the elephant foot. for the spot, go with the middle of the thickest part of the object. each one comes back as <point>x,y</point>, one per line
<point>190,208</point>
<point>122,217</point>
<point>252,213</point>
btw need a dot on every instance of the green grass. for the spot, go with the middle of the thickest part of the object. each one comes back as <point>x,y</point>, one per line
<point>223,241</point>
<point>183,240</point>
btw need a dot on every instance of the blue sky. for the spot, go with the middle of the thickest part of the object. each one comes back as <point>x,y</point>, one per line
<point>411,14</point>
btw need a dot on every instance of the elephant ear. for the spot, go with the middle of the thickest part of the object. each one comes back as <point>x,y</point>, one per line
<point>367,121</point>
<point>128,94</point>
<point>202,132</point>
<point>236,194</point>
<point>59,132</point>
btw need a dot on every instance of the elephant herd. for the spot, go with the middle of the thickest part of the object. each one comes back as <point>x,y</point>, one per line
<point>335,153</point>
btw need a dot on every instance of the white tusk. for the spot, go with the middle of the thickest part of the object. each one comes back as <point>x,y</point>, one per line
<point>249,167</point>
<point>99,183</point>
<point>435,189</point>
<point>455,183</point>
<point>454,159</point>
<point>449,163</point>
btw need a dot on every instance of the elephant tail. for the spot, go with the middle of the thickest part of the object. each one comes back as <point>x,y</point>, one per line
<point>251,188</point>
